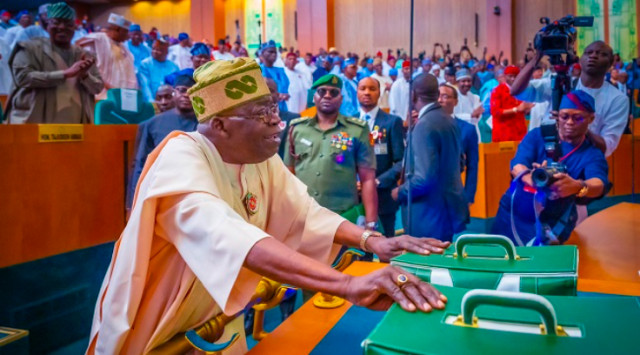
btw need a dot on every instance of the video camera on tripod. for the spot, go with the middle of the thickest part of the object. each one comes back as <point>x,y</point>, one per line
<point>556,40</point>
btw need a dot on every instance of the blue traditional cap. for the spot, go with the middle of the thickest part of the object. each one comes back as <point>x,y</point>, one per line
<point>21,13</point>
<point>61,10</point>
<point>328,80</point>
<point>200,48</point>
<point>135,27</point>
<point>184,80</point>
<point>393,72</point>
<point>182,36</point>
<point>269,44</point>
<point>350,61</point>
<point>426,61</point>
<point>463,74</point>
<point>578,100</point>
<point>370,61</point>
<point>490,66</point>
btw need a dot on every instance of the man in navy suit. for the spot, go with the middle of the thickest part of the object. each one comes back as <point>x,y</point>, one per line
<point>469,139</point>
<point>387,136</point>
<point>439,208</point>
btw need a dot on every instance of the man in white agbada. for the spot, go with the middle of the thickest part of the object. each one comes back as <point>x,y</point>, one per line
<point>385,83</point>
<point>114,60</point>
<point>399,94</point>
<point>216,209</point>
<point>299,84</point>
<point>469,107</point>
<point>180,53</point>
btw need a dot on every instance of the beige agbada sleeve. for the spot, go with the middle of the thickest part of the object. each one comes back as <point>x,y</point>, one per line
<point>188,230</point>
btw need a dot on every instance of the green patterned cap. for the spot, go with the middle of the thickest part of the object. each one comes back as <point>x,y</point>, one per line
<point>225,84</point>
<point>61,10</point>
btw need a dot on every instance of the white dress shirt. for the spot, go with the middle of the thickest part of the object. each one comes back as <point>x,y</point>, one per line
<point>370,116</point>
<point>399,98</point>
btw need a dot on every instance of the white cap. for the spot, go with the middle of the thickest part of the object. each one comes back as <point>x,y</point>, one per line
<point>119,21</point>
<point>42,9</point>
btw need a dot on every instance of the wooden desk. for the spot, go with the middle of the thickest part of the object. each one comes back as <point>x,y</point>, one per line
<point>309,323</point>
<point>609,263</point>
<point>59,197</point>
<point>609,246</point>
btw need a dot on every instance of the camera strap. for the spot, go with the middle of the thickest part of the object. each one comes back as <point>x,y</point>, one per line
<point>551,141</point>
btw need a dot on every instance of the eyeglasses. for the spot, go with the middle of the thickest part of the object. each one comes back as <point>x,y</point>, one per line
<point>334,92</point>
<point>265,116</point>
<point>577,118</point>
<point>181,89</point>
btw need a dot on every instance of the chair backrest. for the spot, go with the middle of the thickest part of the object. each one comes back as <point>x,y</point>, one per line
<point>123,106</point>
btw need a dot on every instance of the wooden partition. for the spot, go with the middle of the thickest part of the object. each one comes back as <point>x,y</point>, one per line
<point>494,177</point>
<point>60,197</point>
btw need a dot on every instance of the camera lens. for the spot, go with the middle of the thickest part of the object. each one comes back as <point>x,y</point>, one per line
<point>540,177</point>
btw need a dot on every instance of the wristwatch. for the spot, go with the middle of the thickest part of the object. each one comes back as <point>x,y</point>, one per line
<point>584,190</point>
<point>366,235</point>
<point>372,226</point>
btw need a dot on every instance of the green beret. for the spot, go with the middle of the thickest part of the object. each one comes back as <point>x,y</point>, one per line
<point>328,80</point>
<point>61,10</point>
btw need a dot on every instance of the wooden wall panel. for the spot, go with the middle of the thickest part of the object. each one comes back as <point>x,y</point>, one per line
<point>234,10</point>
<point>526,15</point>
<point>60,197</point>
<point>378,25</point>
<point>170,17</point>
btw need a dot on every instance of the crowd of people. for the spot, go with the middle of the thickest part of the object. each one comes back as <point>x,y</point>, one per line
<point>207,163</point>
<point>56,69</point>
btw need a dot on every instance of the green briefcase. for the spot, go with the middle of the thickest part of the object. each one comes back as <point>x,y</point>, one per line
<point>500,322</point>
<point>479,261</point>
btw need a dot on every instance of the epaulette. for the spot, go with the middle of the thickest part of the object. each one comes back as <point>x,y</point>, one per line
<point>357,121</point>
<point>298,120</point>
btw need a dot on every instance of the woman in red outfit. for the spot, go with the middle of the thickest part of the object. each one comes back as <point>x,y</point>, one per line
<point>507,111</point>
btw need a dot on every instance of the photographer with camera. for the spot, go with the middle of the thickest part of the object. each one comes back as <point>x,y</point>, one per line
<point>555,168</point>
<point>611,105</point>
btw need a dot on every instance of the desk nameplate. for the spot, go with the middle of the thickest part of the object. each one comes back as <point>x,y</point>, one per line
<point>55,133</point>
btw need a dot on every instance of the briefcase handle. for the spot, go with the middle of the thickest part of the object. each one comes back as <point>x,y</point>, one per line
<point>485,239</point>
<point>476,298</point>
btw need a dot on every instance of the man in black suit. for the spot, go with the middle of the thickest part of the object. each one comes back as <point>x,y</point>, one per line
<point>285,116</point>
<point>386,133</point>
<point>439,207</point>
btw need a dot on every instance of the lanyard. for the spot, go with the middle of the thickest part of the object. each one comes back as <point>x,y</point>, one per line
<point>572,151</point>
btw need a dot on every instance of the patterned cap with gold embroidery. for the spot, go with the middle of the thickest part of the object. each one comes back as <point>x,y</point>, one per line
<point>225,84</point>
<point>328,80</point>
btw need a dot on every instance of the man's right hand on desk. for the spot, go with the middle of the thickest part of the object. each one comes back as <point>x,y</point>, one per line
<point>380,289</point>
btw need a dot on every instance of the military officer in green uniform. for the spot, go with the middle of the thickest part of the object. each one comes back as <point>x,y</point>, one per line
<point>329,152</point>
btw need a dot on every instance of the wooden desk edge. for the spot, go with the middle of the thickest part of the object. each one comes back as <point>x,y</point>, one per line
<point>309,323</point>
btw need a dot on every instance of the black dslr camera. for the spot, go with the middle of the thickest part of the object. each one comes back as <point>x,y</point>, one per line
<point>543,177</point>
<point>556,39</point>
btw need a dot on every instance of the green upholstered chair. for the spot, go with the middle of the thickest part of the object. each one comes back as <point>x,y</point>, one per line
<point>115,110</point>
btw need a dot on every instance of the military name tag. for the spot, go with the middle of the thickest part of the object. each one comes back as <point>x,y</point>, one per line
<point>380,149</point>
<point>52,133</point>
<point>306,142</point>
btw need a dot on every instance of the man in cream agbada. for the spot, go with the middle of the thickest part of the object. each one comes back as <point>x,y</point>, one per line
<point>215,210</point>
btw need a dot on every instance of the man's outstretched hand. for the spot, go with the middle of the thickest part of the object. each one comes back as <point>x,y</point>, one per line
<point>380,289</point>
<point>387,248</point>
